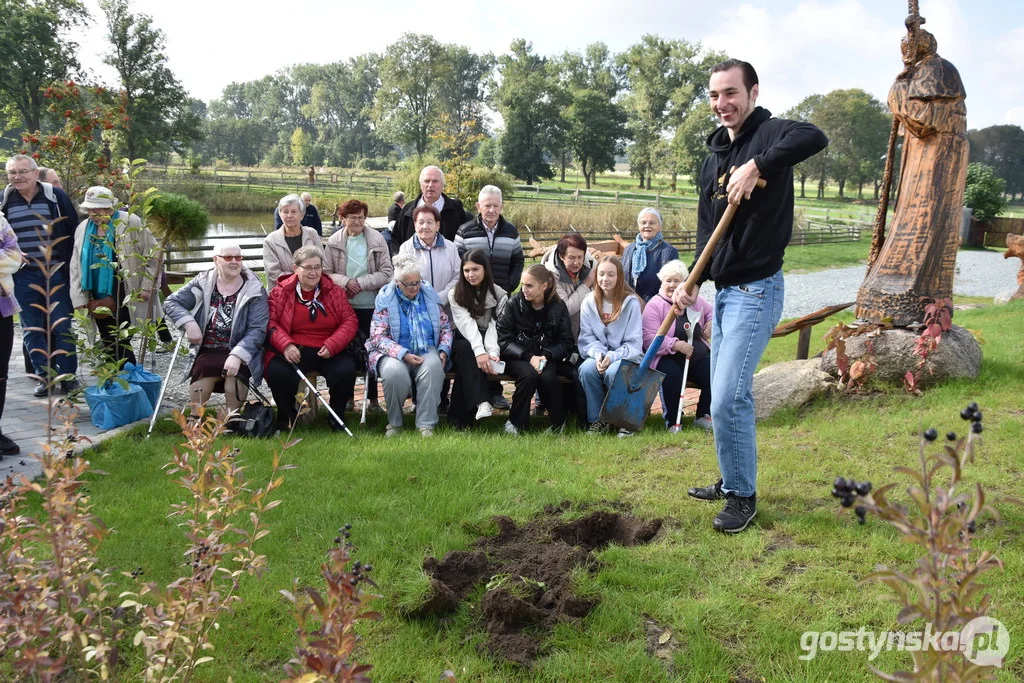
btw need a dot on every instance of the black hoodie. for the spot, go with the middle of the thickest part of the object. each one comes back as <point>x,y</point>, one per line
<point>753,247</point>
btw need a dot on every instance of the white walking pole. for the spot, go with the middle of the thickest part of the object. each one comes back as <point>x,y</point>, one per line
<point>163,385</point>
<point>688,328</point>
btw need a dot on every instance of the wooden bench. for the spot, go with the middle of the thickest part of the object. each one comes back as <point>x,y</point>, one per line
<point>803,326</point>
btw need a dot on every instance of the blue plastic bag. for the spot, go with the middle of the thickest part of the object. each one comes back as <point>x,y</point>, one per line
<point>114,406</point>
<point>150,382</point>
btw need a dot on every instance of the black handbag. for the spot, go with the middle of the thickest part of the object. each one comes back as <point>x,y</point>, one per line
<point>256,417</point>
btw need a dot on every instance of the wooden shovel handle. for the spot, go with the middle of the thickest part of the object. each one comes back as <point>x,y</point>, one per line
<point>705,256</point>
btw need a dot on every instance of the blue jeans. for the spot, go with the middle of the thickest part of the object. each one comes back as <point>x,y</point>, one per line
<point>595,386</point>
<point>31,316</point>
<point>745,317</point>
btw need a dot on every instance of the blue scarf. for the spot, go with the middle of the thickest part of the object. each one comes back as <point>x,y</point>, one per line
<point>98,260</point>
<point>314,305</point>
<point>640,252</point>
<point>417,331</point>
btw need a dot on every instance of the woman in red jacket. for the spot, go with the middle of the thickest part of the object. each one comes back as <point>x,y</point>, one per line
<point>311,325</point>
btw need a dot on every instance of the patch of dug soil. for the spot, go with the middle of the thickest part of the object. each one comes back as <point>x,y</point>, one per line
<point>528,571</point>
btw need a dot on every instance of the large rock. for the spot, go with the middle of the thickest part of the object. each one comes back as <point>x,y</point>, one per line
<point>788,385</point>
<point>958,355</point>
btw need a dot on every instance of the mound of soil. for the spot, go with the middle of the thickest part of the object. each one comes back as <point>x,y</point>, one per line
<point>527,573</point>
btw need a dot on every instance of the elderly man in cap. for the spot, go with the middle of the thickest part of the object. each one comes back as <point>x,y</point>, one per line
<point>431,192</point>
<point>41,215</point>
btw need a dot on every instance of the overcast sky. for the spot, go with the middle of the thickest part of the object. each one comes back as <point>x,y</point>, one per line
<point>798,47</point>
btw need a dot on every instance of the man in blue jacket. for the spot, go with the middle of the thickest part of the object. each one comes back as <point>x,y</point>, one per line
<point>746,267</point>
<point>41,214</point>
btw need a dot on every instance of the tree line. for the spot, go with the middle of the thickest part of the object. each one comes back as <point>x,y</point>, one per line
<point>533,116</point>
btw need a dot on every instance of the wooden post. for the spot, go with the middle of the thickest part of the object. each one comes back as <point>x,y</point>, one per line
<point>803,343</point>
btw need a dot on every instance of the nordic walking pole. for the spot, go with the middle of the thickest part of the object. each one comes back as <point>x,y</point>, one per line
<point>686,371</point>
<point>366,382</point>
<point>320,397</point>
<point>163,385</point>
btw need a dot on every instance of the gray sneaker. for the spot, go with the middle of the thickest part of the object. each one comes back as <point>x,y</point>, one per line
<point>511,429</point>
<point>625,433</point>
<point>704,423</point>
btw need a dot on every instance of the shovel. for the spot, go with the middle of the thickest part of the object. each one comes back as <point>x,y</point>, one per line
<point>628,401</point>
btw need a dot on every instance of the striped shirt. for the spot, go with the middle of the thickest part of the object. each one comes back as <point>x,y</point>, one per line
<point>30,224</point>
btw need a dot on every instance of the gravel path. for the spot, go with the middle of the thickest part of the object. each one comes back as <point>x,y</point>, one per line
<point>978,273</point>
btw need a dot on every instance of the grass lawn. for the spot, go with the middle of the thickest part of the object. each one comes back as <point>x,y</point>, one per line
<point>736,606</point>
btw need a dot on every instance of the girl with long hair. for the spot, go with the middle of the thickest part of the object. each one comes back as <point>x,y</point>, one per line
<point>536,342</point>
<point>610,332</point>
<point>476,303</point>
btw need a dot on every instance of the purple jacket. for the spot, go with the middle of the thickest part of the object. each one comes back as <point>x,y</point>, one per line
<point>10,262</point>
<point>654,314</point>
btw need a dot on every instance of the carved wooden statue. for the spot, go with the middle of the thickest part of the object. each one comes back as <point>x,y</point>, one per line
<point>1015,248</point>
<point>918,256</point>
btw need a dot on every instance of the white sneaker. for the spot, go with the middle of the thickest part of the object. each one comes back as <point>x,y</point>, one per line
<point>625,433</point>
<point>426,432</point>
<point>511,429</point>
<point>391,431</point>
<point>704,423</point>
<point>484,410</point>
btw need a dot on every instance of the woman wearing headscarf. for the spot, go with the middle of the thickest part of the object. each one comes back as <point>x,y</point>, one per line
<point>280,245</point>
<point>647,254</point>
<point>113,256</point>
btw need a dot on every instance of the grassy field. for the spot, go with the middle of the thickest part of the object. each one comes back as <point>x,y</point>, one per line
<point>735,606</point>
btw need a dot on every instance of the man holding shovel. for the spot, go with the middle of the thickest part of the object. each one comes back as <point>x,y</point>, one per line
<point>746,266</point>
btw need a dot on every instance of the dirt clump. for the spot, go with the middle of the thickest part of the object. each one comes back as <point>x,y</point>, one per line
<point>526,574</point>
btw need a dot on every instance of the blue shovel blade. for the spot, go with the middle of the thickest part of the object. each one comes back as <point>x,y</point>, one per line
<point>631,395</point>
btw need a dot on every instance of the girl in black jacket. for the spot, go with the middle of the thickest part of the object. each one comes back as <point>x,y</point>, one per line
<point>536,341</point>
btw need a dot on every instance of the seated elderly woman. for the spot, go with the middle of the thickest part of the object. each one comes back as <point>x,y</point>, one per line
<point>113,256</point>
<point>573,267</point>
<point>280,245</point>
<point>675,348</point>
<point>438,258</point>
<point>644,258</point>
<point>224,314</point>
<point>410,341</point>
<point>311,326</point>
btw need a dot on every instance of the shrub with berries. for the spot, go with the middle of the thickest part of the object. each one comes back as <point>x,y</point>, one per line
<point>942,589</point>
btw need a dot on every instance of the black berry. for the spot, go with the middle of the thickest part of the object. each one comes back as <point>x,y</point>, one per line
<point>951,436</point>
<point>976,428</point>
<point>976,416</point>
<point>931,434</point>
<point>972,406</point>
<point>966,413</point>
<point>863,488</point>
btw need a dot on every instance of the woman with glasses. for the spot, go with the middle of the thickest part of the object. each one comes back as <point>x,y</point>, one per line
<point>410,341</point>
<point>311,326</point>
<point>280,245</point>
<point>112,257</point>
<point>357,258</point>
<point>438,258</point>
<point>224,314</point>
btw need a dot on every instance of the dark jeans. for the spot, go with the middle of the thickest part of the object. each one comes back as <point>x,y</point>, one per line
<point>50,336</point>
<point>339,371</point>
<point>109,328</point>
<point>471,385</point>
<point>364,316</point>
<point>699,374</point>
<point>559,399</point>
<point>6,344</point>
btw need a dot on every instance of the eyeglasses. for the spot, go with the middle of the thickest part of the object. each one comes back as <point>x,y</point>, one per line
<point>231,257</point>
<point>354,219</point>
<point>410,285</point>
<point>312,269</point>
<point>28,171</point>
